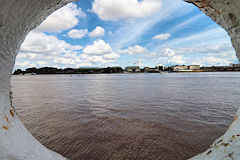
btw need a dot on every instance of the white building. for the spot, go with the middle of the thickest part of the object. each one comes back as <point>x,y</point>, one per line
<point>234,65</point>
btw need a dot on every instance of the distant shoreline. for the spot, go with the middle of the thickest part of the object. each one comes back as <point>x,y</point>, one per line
<point>128,70</point>
<point>164,72</point>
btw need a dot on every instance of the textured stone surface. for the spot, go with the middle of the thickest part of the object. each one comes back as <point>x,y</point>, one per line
<point>18,17</point>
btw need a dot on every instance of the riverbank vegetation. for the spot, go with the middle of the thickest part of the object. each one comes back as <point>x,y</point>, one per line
<point>52,70</point>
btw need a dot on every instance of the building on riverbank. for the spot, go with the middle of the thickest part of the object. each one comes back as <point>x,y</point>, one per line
<point>133,69</point>
<point>178,68</point>
<point>151,70</point>
<point>194,67</point>
<point>234,65</point>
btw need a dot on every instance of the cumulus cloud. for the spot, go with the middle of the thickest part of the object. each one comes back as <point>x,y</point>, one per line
<point>79,34</point>
<point>140,64</point>
<point>206,55</point>
<point>75,47</point>
<point>74,33</point>
<point>169,52</point>
<point>162,36</point>
<point>47,50</point>
<point>168,56</point>
<point>212,61</point>
<point>95,59</point>
<point>24,64</point>
<point>98,47</point>
<point>216,61</point>
<point>99,52</point>
<point>42,63</point>
<point>120,9</point>
<point>43,44</point>
<point>40,50</point>
<point>62,19</point>
<point>97,32</point>
<point>112,55</point>
<point>176,60</point>
<point>133,50</point>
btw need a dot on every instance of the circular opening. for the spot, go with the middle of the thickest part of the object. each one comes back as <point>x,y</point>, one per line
<point>114,116</point>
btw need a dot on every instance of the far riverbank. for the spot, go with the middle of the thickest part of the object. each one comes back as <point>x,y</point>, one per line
<point>114,70</point>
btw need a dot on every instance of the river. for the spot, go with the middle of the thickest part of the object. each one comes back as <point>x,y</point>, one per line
<point>127,116</point>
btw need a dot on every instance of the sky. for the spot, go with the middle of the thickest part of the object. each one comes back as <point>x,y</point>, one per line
<point>102,33</point>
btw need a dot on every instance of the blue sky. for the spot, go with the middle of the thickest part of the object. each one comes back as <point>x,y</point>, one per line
<point>101,33</point>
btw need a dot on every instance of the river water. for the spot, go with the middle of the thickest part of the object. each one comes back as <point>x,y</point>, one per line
<point>127,116</point>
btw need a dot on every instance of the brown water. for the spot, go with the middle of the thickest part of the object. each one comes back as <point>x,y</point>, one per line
<point>127,116</point>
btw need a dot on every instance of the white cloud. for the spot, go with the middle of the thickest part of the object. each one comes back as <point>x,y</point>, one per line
<point>97,32</point>
<point>140,64</point>
<point>99,52</point>
<point>120,9</point>
<point>99,47</point>
<point>47,50</point>
<point>213,61</point>
<point>75,47</point>
<point>216,49</point>
<point>62,19</point>
<point>133,50</point>
<point>42,63</point>
<point>95,59</point>
<point>112,55</point>
<point>162,36</point>
<point>44,44</point>
<point>169,52</point>
<point>169,57</point>
<point>176,60</point>
<point>166,56</point>
<point>204,55</point>
<point>21,55</point>
<point>129,34</point>
<point>74,33</point>
<point>23,64</point>
<point>79,34</point>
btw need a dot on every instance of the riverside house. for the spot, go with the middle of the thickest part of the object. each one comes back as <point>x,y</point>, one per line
<point>133,69</point>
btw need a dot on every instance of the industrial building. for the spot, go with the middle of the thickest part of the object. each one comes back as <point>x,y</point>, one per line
<point>185,68</point>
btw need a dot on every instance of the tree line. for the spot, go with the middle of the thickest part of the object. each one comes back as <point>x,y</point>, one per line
<point>52,70</point>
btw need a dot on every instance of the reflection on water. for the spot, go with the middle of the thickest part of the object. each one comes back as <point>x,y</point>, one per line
<point>127,116</point>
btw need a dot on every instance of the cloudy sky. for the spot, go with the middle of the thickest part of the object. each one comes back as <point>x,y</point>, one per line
<point>100,33</point>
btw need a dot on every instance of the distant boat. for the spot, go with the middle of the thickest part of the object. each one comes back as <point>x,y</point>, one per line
<point>33,73</point>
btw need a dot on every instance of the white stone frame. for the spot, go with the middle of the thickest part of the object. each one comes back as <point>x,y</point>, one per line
<point>19,17</point>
